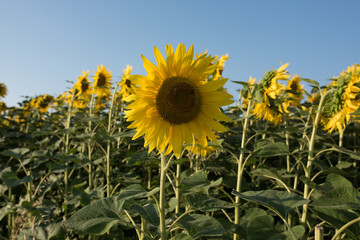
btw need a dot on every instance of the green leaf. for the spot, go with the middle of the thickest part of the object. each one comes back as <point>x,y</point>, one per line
<point>5,211</point>
<point>298,230</point>
<point>280,202</point>
<point>183,236</point>
<point>136,191</point>
<point>338,218</point>
<point>197,225</point>
<point>352,154</point>
<point>273,149</point>
<point>98,217</point>
<point>15,152</point>
<point>205,203</point>
<point>11,180</point>
<point>148,212</point>
<point>198,182</point>
<point>338,198</point>
<point>311,81</point>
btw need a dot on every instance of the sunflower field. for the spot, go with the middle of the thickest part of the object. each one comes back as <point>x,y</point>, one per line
<point>172,155</point>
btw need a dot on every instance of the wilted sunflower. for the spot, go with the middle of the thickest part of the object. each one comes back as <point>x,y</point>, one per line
<point>344,101</point>
<point>102,81</point>
<point>174,103</point>
<point>3,90</point>
<point>268,92</point>
<point>125,84</point>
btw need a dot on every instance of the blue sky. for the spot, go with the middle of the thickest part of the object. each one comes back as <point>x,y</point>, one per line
<point>44,43</point>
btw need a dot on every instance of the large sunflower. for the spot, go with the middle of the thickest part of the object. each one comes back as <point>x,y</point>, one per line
<point>102,81</point>
<point>344,101</point>
<point>174,103</point>
<point>3,90</point>
<point>269,91</point>
<point>83,91</point>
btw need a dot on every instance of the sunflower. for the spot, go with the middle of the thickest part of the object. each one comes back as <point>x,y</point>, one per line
<point>267,93</point>
<point>3,90</point>
<point>42,103</point>
<point>295,91</point>
<point>82,91</point>
<point>246,92</point>
<point>174,103</point>
<point>201,151</point>
<point>3,107</point>
<point>220,66</point>
<point>344,101</point>
<point>102,81</point>
<point>125,84</point>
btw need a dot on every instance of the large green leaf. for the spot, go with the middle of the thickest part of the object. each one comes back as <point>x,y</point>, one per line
<point>338,198</point>
<point>198,182</point>
<point>298,230</point>
<point>98,217</point>
<point>273,149</point>
<point>15,152</point>
<point>148,212</point>
<point>135,191</point>
<point>205,203</point>
<point>281,202</point>
<point>197,225</point>
<point>11,180</point>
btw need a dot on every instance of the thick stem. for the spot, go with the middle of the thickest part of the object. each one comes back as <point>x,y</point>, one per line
<point>311,154</point>
<point>91,183</point>
<point>108,147</point>
<point>67,139</point>
<point>341,138</point>
<point>240,167</point>
<point>177,191</point>
<point>163,233</point>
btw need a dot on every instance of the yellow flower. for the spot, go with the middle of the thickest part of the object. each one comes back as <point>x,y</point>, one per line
<point>200,150</point>
<point>220,66</point>
<point>102,81</point>
<point>246,92</point>
<point>42,103</point>
<point>3,107</point>
<point>3,90</point>
<point>82,86</point>
<point>296,91</point>
<point>125,84</point>
<point>344,101</point>
<point>174,103</point>
<point>270,90</point>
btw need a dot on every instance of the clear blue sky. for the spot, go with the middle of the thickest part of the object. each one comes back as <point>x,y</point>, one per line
<point>44,43</point>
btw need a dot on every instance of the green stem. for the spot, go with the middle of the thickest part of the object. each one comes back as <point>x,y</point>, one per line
<point>91,183</point>
<point>108,147</point>
<point>177,191</point>
<point>162,204</point>
<point>240,166</point>
<point>341,138</point>
<point>311,153</point>
<point>345,227</point>
<point>67,139</point>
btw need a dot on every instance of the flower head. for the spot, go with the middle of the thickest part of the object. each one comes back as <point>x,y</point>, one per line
<point>269,91</point>
<point>102,81</point>
<point>220,66</point>
<point>3,90</point>
<point>174,103</point>
<point>345,100</point>
<point>125,84</point>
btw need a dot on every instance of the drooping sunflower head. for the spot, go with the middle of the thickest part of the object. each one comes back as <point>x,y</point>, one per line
<point>344,101</point>
<point>295,91</point>
<point>3,90</point>
<point>174,103</point>
<point>42,103</point>
<point>125,84</point>
<point>102,81</point>
<point>268,93</point>
<point>201,151</point>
